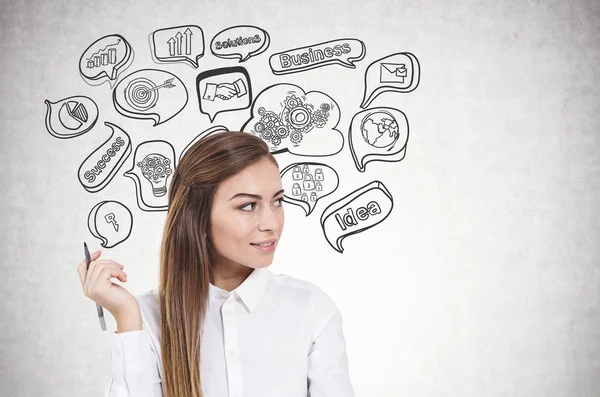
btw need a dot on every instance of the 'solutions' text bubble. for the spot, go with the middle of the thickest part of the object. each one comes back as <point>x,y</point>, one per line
<point>241,42</point>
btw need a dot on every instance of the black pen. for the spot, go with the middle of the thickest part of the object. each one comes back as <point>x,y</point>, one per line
<point>88,259</point>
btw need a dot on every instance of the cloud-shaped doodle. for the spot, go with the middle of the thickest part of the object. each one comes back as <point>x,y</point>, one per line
<point>70,117</point>
<point>306,183</point>
<point>378,134</point>
<point>398,72</point>
<point>110,222</point>
<point>241,42</point>
<point>289,119</point>
<point>150,94</point>
<point>100,167</point>
<point>153,164</point>
<point>336,52</point>
<point>360,210</point>
<point>178,44</point>
<point>205,133</point>
<point>105,59</point>
<point>223,90</point>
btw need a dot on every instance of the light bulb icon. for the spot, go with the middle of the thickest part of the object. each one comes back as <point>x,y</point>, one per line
<point>156,168</point>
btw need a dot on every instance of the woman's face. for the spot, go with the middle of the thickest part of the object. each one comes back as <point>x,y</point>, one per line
<point>247,210</point>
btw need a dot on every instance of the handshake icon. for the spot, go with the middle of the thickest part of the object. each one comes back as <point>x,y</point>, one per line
<point>225,91</point>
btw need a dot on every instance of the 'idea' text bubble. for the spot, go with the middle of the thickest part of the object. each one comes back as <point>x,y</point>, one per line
<point>306,183</point>
<point>378,134</point>
<point>105,59</point>
<point>398,72</point>
<point>110,222</point>
<point>178,44</point>
<point>360,210</point>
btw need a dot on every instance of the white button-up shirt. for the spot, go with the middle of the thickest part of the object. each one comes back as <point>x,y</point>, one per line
<point>272,336</point>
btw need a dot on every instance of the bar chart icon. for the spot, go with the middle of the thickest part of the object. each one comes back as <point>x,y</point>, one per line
<point>104,57</point>
<point>180,46</point>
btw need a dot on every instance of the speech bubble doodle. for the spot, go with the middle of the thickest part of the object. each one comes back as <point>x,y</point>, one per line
<point>178,44</point>
<point>290,119</point>
<point>378,134</point>
<point>306,183</point>
<point>105,59</point>
<point>243,42</point>
<point>150,94</point>
<point>335,52</point>
<point>360,210</point>
<point>223,90</point>
<point>110,222</point>
<point>203,134</point>
<point>399,72</point>
<point>100,167</point>
<point>153,164</point>
<point>70,117</point>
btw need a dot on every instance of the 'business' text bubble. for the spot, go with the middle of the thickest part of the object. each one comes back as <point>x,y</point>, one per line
<point>100,167</point>
<point>110,222</point>
<point>342,52</point>
<point>178,44</point>
<point>378,134</point>
<point>71,117</point>
<point>306,183</point>
<point>223,90</point>
<point>355,213</point>
<point>105,59</point>
<point>241,42</point>
<point>150,94</point>
<point>290,119</point>
<point>153,165</point>
<point>396,72</point>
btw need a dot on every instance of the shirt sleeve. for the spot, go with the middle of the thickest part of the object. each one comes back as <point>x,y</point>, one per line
<point>134,366</point>
<point>328,372</point>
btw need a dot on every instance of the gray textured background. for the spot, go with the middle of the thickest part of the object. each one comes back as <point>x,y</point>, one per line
<point>484,280</point>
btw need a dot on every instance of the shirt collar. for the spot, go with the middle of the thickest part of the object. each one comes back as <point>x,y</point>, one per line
<point>249,291</point>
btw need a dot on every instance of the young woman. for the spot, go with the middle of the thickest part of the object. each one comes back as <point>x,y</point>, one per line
<point>221,324</point>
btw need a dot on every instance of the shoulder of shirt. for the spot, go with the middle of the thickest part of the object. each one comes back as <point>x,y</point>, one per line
<point>320,300</point>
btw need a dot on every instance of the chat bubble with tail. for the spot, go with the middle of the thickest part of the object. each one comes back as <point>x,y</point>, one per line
<point>288,118</point>
<point>105,59</point>
<point>398,72</point>
<point>110,222</point>
<point>306,183</point>
<point>223,90</point>
<point>360,210</point>
<point>150,94</point>
<point>243,42</point>
<point>178,44</point>
<point>70,117</point>
<point>335,52</point>
<point>378,134</point>
<point>153,165</point>
<point>101,166</point>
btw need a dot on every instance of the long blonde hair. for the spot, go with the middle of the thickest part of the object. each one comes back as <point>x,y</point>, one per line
<point>186,253</point>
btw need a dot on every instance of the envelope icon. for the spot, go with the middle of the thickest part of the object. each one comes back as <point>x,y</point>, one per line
<point>394,73</point>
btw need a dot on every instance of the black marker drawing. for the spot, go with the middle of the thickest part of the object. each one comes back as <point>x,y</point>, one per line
<point>111,222</point>
<point>153,164</point>
<point>306,183</point>
<point>358,211</point>
<point>207,132</point>
<point>150,94</point>
<point>335,52</point>
<point>105,59</point>
<point>223,90</point>
<point>100,167</point>
<point>70,117</point>
<point>378,134</point>
<point>399,72</point>
<point>178,44</point>
<point>242,41</point>
<point>289,119</point>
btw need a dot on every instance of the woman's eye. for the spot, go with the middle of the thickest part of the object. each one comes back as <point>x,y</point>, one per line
<point>248,205</point>
<point>280,201</point>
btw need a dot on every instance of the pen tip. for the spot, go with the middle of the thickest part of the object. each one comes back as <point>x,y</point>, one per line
<point>84,244</point>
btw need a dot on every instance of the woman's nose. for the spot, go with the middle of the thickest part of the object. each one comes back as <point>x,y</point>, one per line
<point>268,220</point>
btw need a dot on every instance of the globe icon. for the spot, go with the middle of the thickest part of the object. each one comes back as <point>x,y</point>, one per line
<point>379,129</point>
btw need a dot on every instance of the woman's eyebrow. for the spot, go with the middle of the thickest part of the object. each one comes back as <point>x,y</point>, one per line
<point>254,196</point>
